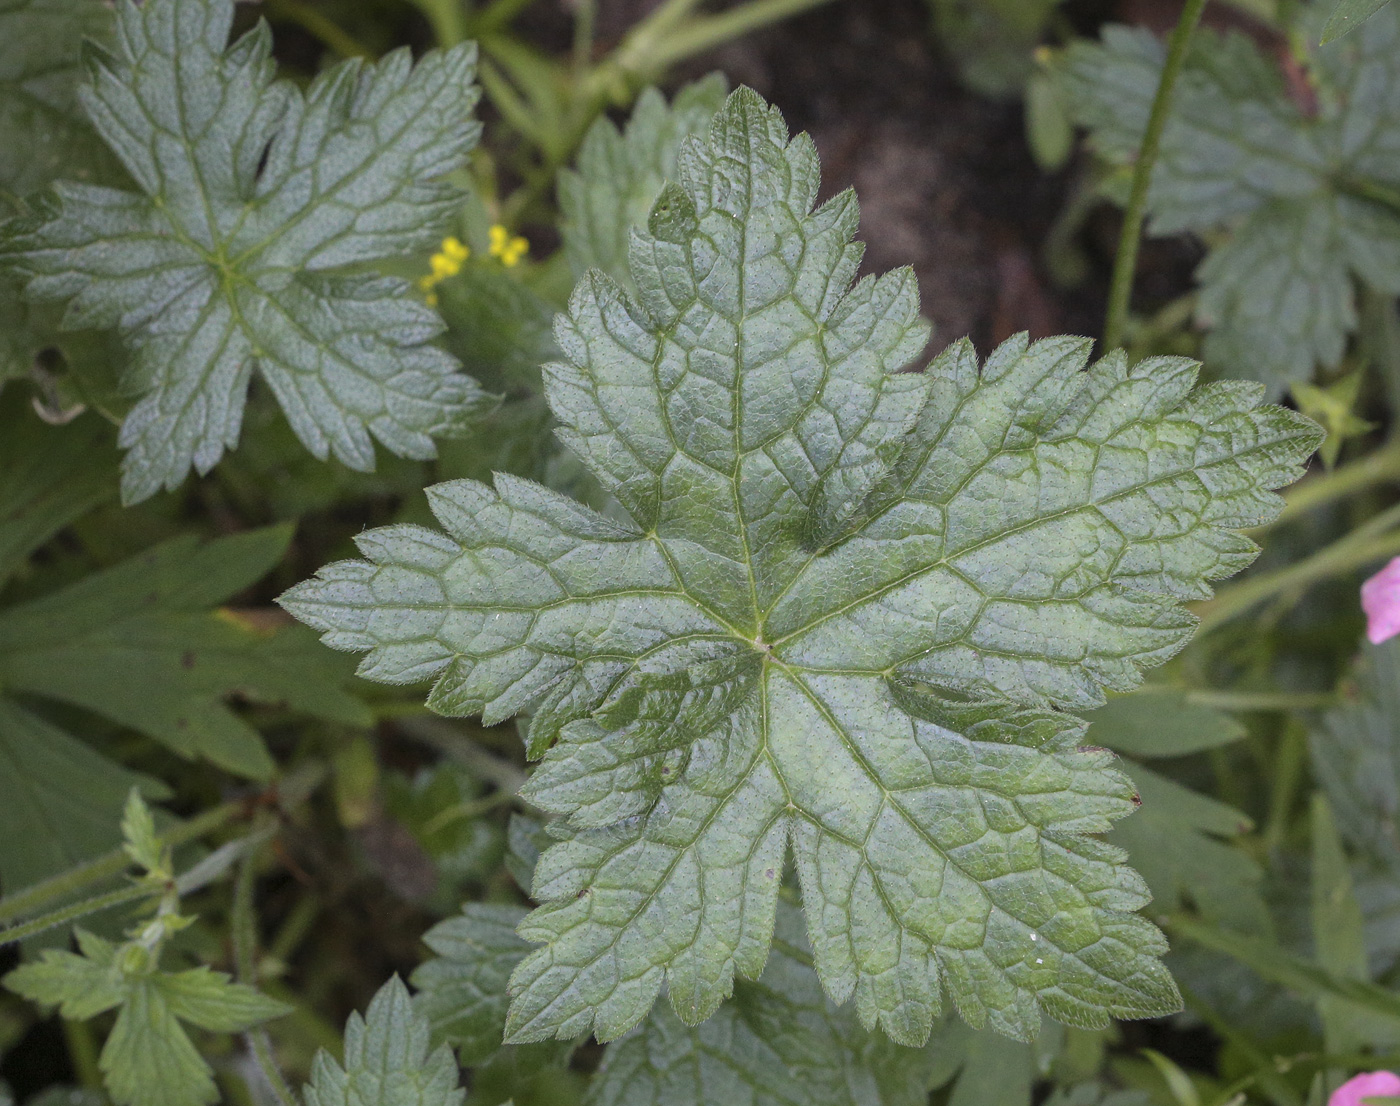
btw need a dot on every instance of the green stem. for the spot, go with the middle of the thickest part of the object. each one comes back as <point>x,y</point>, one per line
<point>1361,547</point>
<point>447,19</point>
<point>509,103</point>
<point>449,740</point>
<point>497,16</point>
<point>1125,265</point>
<point>1379,467</point>
<point>108,866</point>
<point>463,811</point>
<point>1262,700</point>
<point>244,926</point>
<point>585,21</point>
<point>1287,776</point>
<point>699,35</point>
<point>72,912</point>
<point>318,26</point>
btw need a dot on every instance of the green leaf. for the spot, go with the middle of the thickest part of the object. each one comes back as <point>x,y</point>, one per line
<point>43,132</point>
<point>148,1059</point>
<point>49,477</point>
<point>253,197</point>
<point>1157,722</point>
<point>1357,761</point>
<point>1339,940</point>
<point>211,1001</point>
<point>1298,193</point>
<point>462,992</point>
<point>1092,1094</point>
<point>80,986</point>
<point>994,1070</point>
<point>620,174</point>
<point>780,1042</point>
<point>840,618</point>
<point>62,799</point>
<point>137,643</point>
<point>387,1061</point>
<point>1347,15</point>
<point>1175,842</point>
<point>1276,964</point>
<point>139,836</point>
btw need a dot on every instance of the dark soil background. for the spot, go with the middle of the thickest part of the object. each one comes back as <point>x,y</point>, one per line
<point>945,178</point>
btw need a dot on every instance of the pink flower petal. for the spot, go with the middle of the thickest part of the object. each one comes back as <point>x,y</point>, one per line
<point>1369,1084</point>
<point>1380,599</point>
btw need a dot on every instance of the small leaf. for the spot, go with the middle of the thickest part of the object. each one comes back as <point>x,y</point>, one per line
<point>462,992</point>
<point>211,1001</point>
<point>1347,15</point>
<point>387,1061</point>
<point>1160,723</point>
<point>80,986</point>
<point>149,1060</point>
<point>139,834</point>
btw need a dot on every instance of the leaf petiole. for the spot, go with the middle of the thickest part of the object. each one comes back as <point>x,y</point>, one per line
<point>74,911</point>
<point>107,866</point>
<point>1125,264</point>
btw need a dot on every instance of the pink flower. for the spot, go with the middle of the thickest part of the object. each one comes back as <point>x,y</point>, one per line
<point>1354,1092</point>
<point>1380,599</point>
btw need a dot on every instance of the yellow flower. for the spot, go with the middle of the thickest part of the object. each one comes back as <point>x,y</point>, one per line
<point>509,250</point>
<point>454,250</point>
<point>447,262</point>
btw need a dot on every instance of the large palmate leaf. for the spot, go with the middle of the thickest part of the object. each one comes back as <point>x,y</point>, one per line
<point>839,620</point>
<point>252,196</point>
<point>1302,192</point>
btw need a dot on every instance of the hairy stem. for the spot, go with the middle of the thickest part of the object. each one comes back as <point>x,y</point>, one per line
<point>71,913</point>
<point>1125,264</point>
<point>244,926</point>
<point>105,867</point>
